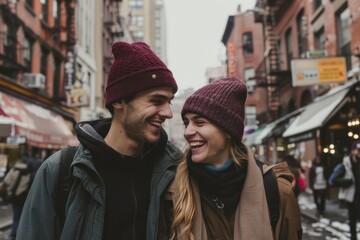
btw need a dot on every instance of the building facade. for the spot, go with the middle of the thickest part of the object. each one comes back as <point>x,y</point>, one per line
<point>310,119</point>
<point>35,37</point>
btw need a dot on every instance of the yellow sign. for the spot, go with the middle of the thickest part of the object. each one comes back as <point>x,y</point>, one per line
<point>318,71</point>
<point>78,96</point>
<point>332,69</point>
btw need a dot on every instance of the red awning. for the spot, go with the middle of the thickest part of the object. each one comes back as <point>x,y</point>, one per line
<point>42,127</point>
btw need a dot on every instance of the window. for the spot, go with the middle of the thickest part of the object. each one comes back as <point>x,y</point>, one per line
<point>316,4</point>
<point>44,10</point>
<point>301,25</point>
<point>343,31</point>
<point>288,46</point>
<point>44,58</point>
<point>247,43</point>
<point>136,4</point>
<point>138,21</point>
<point>27,53</point>
<point>10,46</point>
<point>250,115</point>
<point>138,36</point>
<point>319,39</point>
<point>157,33</point>
<point>55,13</point>
<point>29,3</point>
<point>57,67</point>
<point>249,73</point>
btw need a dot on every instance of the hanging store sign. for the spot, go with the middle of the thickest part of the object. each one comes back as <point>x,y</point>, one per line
<point>318,71</point>
<point>231,60</point>
<point>78,96</point>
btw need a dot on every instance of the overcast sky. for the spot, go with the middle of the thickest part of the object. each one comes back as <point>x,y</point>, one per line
<point>194,32</point>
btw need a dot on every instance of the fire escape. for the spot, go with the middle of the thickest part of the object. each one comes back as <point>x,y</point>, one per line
<point>271,73</point>
<point>11,50</point>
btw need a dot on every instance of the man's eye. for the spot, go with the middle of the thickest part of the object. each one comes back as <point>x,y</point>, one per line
<point>157,102</point>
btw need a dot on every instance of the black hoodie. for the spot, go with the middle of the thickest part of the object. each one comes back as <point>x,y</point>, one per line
<point>126,179</point>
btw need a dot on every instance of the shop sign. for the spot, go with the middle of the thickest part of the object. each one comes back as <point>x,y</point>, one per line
<point>231,60</point>
<point>16,140</point>
<point>77,97</point>
<point>301,137</point>
<point>318,71</point>
<point>316,54</point>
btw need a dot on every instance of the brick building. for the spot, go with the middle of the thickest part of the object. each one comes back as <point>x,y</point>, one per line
<point>314,118</point>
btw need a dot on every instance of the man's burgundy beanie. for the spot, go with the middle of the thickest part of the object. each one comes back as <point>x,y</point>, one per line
<point>135,68</point>
<point>223,103</point>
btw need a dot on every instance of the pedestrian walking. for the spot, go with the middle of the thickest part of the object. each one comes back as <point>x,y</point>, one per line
<point>298,183</point>
<point>122,165</point>
<point>17,183</point>
<point>318,184</point>
<point>34,162</point>
<point>347,177</point>
<point>218,191</point>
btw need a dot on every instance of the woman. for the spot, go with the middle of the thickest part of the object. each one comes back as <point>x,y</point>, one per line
<point>218,191</point>
<point>317,178</point>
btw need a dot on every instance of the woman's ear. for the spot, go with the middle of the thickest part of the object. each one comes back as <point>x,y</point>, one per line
<point>118,105</point>
<point>228,137</point>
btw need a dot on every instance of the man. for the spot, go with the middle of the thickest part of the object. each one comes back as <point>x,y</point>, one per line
<point>122,164</point>
<point>348,179</point>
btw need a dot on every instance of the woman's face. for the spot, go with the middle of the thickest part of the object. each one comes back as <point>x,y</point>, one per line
<point>209,144</point>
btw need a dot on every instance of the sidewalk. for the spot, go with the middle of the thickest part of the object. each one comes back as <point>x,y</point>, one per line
<point>5,216</point>
<point>333,211</point>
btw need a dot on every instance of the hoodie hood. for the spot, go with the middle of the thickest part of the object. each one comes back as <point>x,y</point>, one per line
<point>91,135</point>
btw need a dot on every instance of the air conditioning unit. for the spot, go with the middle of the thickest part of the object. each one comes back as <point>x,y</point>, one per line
<point>34,80</point>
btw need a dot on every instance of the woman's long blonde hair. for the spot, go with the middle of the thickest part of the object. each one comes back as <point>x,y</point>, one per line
<point>184,207</point>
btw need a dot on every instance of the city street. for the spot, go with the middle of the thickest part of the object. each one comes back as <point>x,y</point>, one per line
<point>332,226</point>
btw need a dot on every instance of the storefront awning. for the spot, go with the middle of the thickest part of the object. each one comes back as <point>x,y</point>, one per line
<point>262,134</point>
<point>319,112</point>
<point>41,127</point>
<point>256,137</point>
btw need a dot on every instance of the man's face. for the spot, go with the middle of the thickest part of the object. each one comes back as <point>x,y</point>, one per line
<point>144,115</point>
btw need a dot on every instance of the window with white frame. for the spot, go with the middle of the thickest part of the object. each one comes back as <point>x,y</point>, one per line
<point>250,115</point>
<point>249,74</point>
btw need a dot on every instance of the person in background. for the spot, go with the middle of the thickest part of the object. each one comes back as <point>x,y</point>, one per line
<point>122,165</point>
<point>318,183</point>
<point>348,179</point>
<point>218,191</point>
<point>34,164</point>
<point>17,184</point>
<point>298,183</point>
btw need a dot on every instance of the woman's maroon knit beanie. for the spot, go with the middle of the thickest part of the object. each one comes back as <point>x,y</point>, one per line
<point>136,68</point>
<point>223,103</point>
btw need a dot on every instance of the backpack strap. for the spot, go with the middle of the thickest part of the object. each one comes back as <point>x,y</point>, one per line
<point>272,194</point>
<point>65,181</point>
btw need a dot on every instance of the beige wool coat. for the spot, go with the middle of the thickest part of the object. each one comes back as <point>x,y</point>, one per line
<point>252,217</point>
